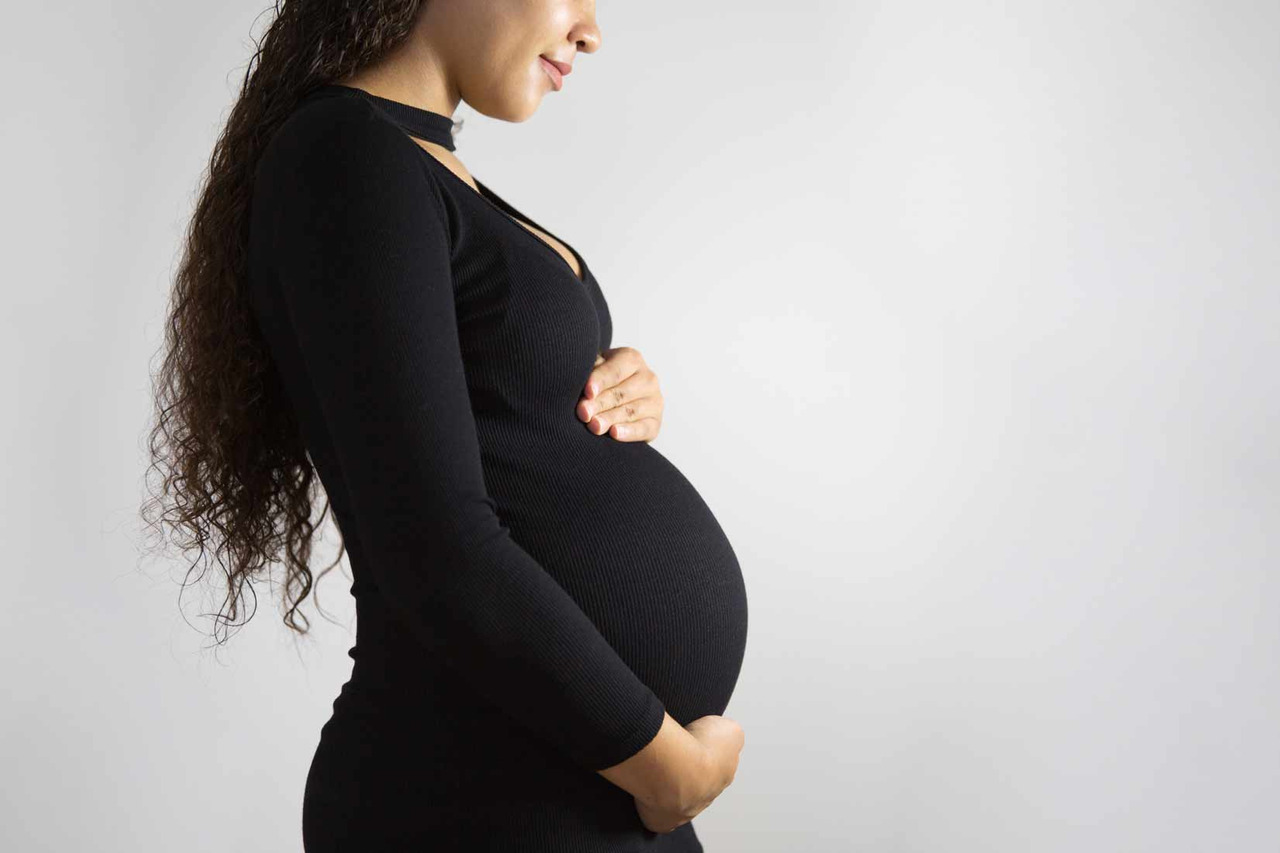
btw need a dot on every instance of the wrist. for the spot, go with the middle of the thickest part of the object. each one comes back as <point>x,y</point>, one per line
<point>675,772</point>
<point>689,778</point>
<point>701,780</point>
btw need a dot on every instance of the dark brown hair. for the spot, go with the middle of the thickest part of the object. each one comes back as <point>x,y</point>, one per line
<point>236,486</point>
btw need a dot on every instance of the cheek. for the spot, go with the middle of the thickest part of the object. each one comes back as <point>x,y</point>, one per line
<point>509,87</point>
<point>524,77</point>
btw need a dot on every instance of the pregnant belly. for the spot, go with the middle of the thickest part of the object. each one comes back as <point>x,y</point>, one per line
<point>634,543</point>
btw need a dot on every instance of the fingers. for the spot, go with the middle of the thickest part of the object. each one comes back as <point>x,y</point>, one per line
<point>612,367</point>
<point>636,398</point>
<point>644,429</point>
<point>625,417</point>
<point>622,397</point>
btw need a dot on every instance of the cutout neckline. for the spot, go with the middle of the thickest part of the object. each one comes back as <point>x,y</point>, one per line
<point>439,129</point>
<point>515,214</point>
<point>509,213</point>
<point>422,123</point>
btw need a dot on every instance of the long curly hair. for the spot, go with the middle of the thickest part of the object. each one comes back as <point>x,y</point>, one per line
<point>235,484</point>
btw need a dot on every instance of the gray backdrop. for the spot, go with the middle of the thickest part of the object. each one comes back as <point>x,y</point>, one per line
<point>965,316</point>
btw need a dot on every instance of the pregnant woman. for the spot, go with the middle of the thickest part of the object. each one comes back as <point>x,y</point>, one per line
<point>550,620</point>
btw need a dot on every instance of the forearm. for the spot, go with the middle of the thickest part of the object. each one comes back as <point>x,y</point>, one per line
<point>670,772</point>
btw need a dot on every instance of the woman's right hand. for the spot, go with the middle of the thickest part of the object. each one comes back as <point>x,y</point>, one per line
<point>721,740</point>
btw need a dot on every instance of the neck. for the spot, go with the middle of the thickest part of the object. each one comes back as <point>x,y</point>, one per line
<point>416,81</point>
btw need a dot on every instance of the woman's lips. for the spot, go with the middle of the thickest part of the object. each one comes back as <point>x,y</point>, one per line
<point>554,71</point>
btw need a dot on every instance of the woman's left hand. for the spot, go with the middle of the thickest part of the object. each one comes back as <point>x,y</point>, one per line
<point>622,397</point>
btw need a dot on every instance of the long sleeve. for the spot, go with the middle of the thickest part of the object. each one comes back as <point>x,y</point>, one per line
<point>359,253</point>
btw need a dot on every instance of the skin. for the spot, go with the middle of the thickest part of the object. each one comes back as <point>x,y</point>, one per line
<point>486,52</point>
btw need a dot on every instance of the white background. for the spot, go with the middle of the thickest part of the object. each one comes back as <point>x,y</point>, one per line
<point>965,315</point>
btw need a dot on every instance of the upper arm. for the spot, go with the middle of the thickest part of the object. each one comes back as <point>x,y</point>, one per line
<point>361,290</point>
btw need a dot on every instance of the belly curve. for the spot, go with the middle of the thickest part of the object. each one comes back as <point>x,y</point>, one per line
<point>628,536</point>
<point>634,543</point>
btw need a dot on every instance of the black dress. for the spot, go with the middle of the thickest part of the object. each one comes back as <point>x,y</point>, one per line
<point>530,596</point>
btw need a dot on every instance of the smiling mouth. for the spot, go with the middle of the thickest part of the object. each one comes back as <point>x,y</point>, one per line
<point>553,71</point>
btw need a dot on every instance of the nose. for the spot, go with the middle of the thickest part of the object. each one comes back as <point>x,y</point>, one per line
<point>586,35</point>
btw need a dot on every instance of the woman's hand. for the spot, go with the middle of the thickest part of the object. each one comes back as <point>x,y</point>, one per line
<point>622,397</point>
<point>720,739</point>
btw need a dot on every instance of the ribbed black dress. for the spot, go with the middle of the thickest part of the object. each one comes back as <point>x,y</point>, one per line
<point>530,596</point>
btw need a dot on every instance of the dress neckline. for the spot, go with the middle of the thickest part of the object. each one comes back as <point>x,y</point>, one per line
<point>422,123</point>
<point>438,128</point>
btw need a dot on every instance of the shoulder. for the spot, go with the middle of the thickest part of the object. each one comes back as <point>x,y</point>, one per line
<point>339,177</point>
<point>341,143</point>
